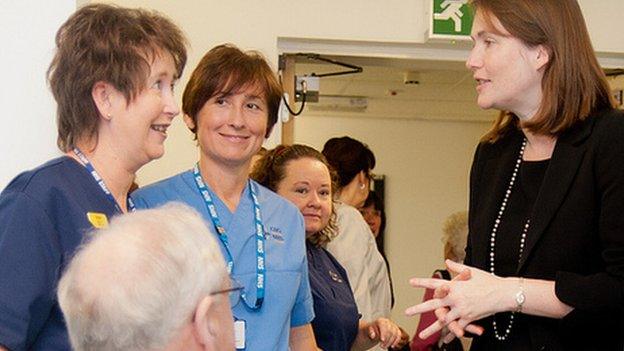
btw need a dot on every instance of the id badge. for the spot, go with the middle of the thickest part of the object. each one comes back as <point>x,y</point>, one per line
<point>239,333</point>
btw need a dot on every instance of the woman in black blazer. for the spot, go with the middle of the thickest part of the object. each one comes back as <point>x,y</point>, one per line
<point>545,255</point>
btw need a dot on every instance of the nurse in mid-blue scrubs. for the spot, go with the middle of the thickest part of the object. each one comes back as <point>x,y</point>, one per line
<point>231,104</point>
<point>301,174</point>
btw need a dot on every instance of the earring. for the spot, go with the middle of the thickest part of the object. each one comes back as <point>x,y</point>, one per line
<point>362,186</point>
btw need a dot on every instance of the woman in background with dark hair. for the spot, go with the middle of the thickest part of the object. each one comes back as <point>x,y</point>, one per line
<point>354,246</point>
<point>374,213</point>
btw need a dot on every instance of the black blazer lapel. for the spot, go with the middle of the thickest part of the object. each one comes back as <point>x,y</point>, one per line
<point>563,167</point>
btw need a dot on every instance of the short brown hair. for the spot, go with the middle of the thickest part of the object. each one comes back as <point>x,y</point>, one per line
<point>574,85</point>
<point>226,69</point>
<point>106,43</point>
<point>270,170</point>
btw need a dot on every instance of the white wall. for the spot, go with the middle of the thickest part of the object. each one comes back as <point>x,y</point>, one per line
<point>28,133</point>
<point>604,22</point>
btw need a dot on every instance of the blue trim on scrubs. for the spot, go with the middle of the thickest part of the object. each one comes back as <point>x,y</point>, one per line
<point>288,300</point>
<point>43,219</point>
<point>336,316</point>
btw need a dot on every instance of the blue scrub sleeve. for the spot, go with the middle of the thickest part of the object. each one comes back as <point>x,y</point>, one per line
<point>303,310</point>
<point>139,201</point>
<point>29,261</point>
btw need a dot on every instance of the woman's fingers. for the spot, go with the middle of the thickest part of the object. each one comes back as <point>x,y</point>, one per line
<point>442,291</point>
<point>389,333</point>
<point>448,338</point>
<point>452,315</point>
<point>435,326</point>
<point>474,329</point>
<point>426,306</point>
<point>398,339</point>
<point>403,340</point>
<point>372,332</point>
<point>429,283</point>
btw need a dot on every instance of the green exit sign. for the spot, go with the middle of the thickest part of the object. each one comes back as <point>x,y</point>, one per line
<point>450,19</point>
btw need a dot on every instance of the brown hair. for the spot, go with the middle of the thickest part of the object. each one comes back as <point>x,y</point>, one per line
<point>111,44</point>
<point>270,170</point>
<point>226,69</point>
<point>348,157</point>
<point>573,84</point>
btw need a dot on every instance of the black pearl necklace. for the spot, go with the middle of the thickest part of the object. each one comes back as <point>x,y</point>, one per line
<point>525,229</point>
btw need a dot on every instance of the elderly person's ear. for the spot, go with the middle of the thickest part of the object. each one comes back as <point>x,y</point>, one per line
<point>205,331</point>
<point>209,326</point>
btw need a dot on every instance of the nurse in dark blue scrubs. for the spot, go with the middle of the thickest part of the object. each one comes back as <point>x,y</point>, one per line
<point>301,174</point>
<point>112,77</point>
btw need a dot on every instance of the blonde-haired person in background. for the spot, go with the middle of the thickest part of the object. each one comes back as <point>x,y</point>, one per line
<point>544,266</point>
<point>153,280</point>
<point>454,235</point>
<point>112,77</point>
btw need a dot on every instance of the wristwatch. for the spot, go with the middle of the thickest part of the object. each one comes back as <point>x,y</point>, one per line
<point>520,297</point>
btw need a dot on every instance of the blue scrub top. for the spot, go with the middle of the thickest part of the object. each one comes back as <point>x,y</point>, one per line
<point>288,301</point>
<point>336,316</point>
<point>43,219</point>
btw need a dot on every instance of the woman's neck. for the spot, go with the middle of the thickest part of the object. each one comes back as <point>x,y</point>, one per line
<point>116,175</point>
<point>539,147</point>
<point>349,193</point>
<point>227,182</point>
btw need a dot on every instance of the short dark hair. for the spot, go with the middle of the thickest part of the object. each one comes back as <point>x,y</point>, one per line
<point>106,43</point>
<point>226,69</point>
<point>348,157</point>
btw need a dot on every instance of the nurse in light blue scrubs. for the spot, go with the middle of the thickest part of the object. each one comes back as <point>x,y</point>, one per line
<point>231,104</point>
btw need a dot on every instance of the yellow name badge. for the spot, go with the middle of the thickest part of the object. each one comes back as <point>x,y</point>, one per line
<point>98,220</point>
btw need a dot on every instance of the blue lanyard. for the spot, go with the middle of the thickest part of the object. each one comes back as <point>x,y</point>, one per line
<point>212,210</point>
<point>100,181</point>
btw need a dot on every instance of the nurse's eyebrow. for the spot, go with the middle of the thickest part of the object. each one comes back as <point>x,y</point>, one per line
<point>253,96</point>
<point>163,73</point>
